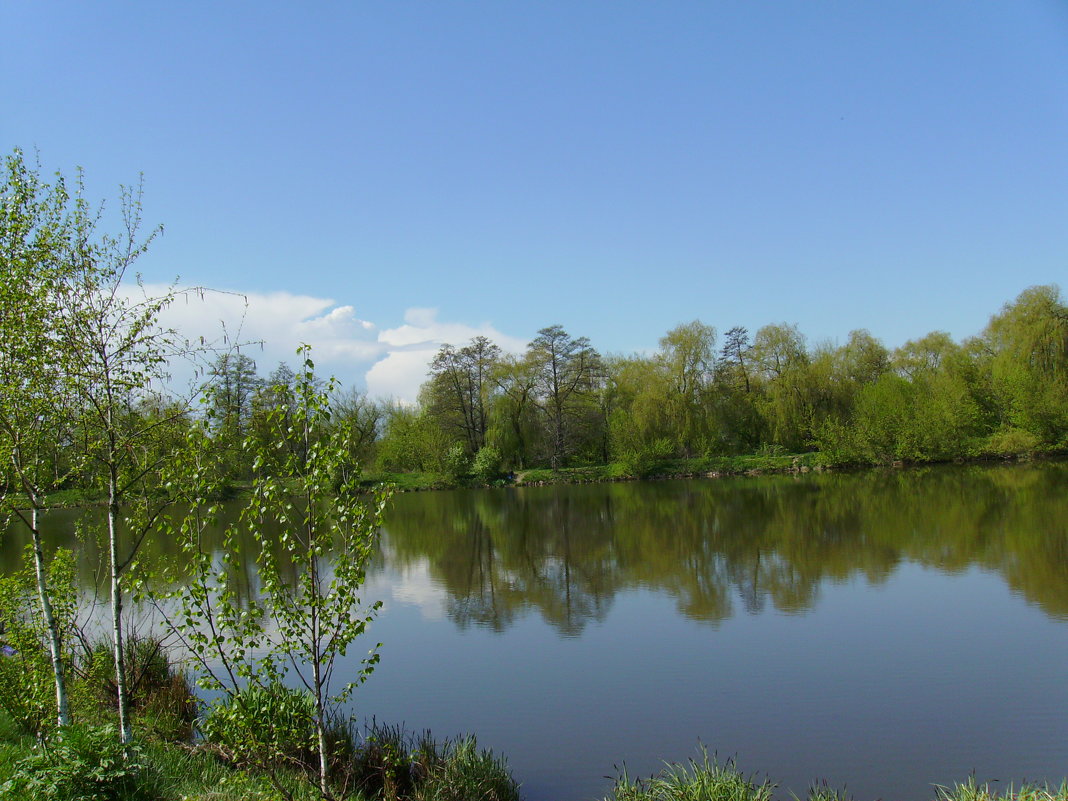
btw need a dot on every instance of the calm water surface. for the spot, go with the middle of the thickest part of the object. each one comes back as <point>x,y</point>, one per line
<point>884,631</point>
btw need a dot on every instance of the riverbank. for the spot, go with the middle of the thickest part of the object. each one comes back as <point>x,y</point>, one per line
<point>666,469</point>
<point>395,767</point>
<point>711,467</point>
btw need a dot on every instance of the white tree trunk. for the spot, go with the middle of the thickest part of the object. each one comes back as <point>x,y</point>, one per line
<point>54,640</point>
<point>125,728</point>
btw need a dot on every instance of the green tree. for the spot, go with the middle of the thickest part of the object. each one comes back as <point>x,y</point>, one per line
<point>569,372</point>
<point>687,359</point>
<point>1028,343</point>
<point>42,229</point>
<point>741,426</point>
<point>119,358</point>
<point>233,385</point>
<point>411,441</point>
<point>363,418</point>
<point>734,359</point>
<point>312,533</point>
<point>514,408</point>
<point>639,422</point>
<point>35,641</point>
<point>782,360</point>
<point>457,393</point>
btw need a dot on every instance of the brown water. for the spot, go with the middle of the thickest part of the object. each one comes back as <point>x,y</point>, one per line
<point>884,631</point>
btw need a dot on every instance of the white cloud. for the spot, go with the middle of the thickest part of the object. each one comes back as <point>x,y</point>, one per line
<point>411,347</point>
<point>389,363</point>
<point>413,585</point>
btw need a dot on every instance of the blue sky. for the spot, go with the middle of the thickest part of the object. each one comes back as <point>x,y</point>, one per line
<point>380,177</point>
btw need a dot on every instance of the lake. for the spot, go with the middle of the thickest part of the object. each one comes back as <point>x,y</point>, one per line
<point>884,631</point>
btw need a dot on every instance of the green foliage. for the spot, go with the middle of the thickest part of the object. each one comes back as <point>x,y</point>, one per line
<point>703,780</point>
<point>27,688</point>
<point>310,532</point>
<point>456,462</point>
<point>1029,367</point>
<point>643,461</point>
<point>973,791</point>
<point>261,725</point>
<point>1010,441</point>
<point>487,463</point>
<point>392,765</point>
<point>457,393</point>
<point>411,442</point>
<point>568,374</point>
<point>162,702</point>
<point>80,763</point>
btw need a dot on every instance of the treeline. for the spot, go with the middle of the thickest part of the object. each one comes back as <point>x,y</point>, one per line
<point>562,403</point>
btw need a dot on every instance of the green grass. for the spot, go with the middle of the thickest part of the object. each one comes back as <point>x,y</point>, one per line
<point>407,482</point>
<point>972,791</point>
<point>388,764</point>
<point>672,468</point>
<point>198,774</point>
<point>704,779</point>
<point>699,780</point>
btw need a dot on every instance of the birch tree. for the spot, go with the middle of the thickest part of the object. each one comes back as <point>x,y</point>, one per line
<point>40,227</point>
<point>116,358</point>
<point>311,533</point>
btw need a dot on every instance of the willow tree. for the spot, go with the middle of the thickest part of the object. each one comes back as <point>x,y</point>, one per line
<point>1028,343</point>
<point>687,360</point>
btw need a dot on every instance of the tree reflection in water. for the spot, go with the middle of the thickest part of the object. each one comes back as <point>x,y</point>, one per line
<point>567,551</point>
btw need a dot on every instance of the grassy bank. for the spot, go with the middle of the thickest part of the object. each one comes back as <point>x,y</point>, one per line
<point>388,765</point>
<point>703,467</point>
<point>384,763</point>
<point>704,779</point>
<point>706,467</point>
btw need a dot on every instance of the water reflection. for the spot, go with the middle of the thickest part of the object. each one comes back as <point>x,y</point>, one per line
<point>718,547</point>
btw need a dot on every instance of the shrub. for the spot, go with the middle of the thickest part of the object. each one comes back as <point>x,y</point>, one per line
<point>487,464</point>
<point>27,683</point>
<point>456,462</point>
<point>162,700</point>
<point>1010,441</point>
<point>264,725</point>
<point>644,459</point>
<point>81,762</point>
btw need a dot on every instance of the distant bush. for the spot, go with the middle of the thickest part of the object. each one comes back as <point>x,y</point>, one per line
<point>645,459</point>
<point>456,462</point>
<point>1009,441</point>
<point>487,464</point>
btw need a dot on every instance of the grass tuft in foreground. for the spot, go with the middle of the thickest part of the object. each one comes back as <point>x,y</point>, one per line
<point>972,791</point>
<point>699,780</point>
<point>393,765</point>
